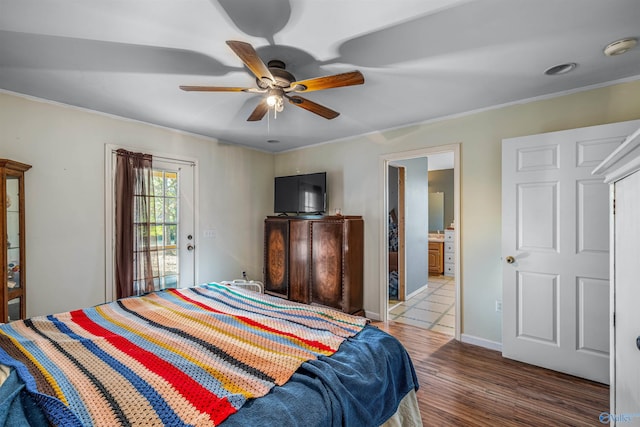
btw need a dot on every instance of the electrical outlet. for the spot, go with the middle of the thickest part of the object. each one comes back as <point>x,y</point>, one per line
<point>498,306</point>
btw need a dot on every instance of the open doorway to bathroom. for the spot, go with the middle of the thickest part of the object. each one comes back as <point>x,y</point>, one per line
<point>421,204</point>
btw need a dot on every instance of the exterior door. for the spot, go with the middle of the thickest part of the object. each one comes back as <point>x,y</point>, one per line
<point>174,192</point>
<point>174,217</point>
<point>555,246</point>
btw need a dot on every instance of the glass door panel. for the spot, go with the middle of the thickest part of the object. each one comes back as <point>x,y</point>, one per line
<point>14,309</point>
<point>13,233</point>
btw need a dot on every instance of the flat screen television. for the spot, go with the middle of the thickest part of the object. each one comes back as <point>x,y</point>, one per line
<point>301,194</point>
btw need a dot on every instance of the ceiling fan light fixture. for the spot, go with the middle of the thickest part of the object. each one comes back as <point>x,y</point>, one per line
<point>560,69</point>
<point>275,99</point>
<point>272,100</point>
<point>621,46</point>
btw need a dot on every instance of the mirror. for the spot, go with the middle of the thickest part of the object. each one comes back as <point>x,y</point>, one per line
<point>436,212</point>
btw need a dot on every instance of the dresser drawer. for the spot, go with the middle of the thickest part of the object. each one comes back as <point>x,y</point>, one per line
<point>449,269</point>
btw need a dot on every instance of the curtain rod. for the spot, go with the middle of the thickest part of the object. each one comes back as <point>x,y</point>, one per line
<point>169,159</point>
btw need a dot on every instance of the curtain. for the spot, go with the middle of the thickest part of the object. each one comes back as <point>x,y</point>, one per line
<point>136,256</point>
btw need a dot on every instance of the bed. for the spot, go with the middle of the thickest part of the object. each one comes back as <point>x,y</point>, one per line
<point>207,355</point>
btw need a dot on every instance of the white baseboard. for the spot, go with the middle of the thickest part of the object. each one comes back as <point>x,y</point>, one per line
<point>481,342</point>
<point>416,292</point>
<point>371,315</point>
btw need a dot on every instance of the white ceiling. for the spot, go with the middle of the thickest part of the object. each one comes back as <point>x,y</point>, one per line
<point>421,59</point>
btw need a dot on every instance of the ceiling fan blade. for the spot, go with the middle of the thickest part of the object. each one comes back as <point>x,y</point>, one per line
<point>320,110</point>
<point>250,57</point>
<point>259,112</point>
<point>328,82</point>
<point>213,89</point>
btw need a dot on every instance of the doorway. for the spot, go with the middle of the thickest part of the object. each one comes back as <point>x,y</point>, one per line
<point>403,159</point>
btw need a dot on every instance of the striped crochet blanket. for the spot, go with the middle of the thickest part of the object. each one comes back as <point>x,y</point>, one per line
<point>177,357</point>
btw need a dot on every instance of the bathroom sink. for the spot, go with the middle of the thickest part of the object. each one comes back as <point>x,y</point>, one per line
<point>435,237</point>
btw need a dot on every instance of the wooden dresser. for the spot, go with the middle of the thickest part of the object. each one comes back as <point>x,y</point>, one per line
<point>449,252</point>
<point>315,260</point>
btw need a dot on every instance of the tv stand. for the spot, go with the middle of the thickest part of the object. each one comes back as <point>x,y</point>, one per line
<point>315,260</point>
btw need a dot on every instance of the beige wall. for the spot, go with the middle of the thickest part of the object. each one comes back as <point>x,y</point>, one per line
<point>65,191</point>
<point>354,182</point>
<point>65,198</point>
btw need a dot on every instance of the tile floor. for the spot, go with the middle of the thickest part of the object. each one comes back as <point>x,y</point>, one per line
<point>433,308</point>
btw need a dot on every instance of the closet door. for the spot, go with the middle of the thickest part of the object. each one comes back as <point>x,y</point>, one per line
<point>627,295</point>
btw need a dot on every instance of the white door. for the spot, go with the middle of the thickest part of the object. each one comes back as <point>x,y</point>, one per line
<point>627,297</point>
<point>555,248</point>
<point>174,184</point>
<point>174,191</point>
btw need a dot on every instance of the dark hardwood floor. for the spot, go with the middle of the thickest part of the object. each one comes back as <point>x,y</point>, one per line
<point>467,385</point>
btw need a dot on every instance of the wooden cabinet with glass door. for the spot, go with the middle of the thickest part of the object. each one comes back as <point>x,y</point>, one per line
<point>13,295</point>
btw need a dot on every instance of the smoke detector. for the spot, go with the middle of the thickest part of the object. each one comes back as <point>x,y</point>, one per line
<point>621,46</point>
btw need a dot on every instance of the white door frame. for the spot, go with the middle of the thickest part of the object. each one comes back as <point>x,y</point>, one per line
<point>384,162</point>
<point>109,218</point>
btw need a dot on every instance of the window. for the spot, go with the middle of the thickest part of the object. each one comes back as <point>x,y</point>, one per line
<point>164,229</point>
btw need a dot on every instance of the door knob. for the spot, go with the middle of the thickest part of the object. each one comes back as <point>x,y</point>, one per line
<point>638,343</point>
<point>510,259</point>
<point>190,247</point>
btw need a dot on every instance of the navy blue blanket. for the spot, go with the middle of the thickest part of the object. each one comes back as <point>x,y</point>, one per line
<point>17,408</point>
<point>360,385</point>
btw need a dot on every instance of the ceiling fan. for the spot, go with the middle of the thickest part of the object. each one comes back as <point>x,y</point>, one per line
<point>277,84</point>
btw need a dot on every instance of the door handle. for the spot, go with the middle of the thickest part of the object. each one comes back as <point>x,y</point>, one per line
<point>190,247</point>
<point>510,259</point>
<point>638,343</point>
